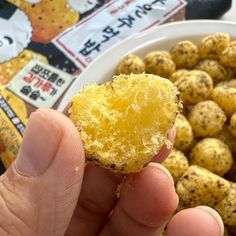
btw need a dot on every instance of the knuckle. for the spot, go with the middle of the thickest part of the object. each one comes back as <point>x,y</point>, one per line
<point>13,220</point>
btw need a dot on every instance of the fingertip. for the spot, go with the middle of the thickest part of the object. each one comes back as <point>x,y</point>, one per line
<point>36,155</point>
<point>215,214</point>
<point>162,168</point>
<point>200,221</point>
<point>153,189</point>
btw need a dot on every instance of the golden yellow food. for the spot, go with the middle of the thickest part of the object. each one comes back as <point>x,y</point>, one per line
<point>176,163</point>
<point>225,97</point>
<point>201,162</point>
<point>228,83</point>
<point>161,53</point>
<point>227,207</point>
<point>130,64</point>
<point>194,86</point>
<point>232,124</point>
<point>212,45</point>
<point>212,154</point>
<point>177,74</point>
<point>199,186</point>
<point>184,133</point>
<point>185,54</point>
<point>159,63</point>
<point>228,56</point>
<point>213,68</point>
<point>206,118</point>
<point>124,122</point>
<point>226,136</point>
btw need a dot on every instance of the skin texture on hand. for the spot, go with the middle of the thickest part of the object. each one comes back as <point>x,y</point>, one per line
<point>49,190</point>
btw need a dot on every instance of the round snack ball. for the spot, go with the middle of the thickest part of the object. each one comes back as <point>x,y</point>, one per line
<point>185,54</point>
<point>227,207</point>
<point>177,74</point>
<point>176,163</point>
<point>229,83</point>
<point>232,43</point>
<point>206,118</point>
<point>213,155</point>
<point>130,64</point>
<point>212,45</point>
<point>199,186</point>
<point>214,69</point>
<point>159,63</point>
<point>225,97</point>
<point>232,124</point>
<point>226,136</point>
<point>184,133</point>
<point>157,53</point>
<point>194,86</point>
<point>228,56</point>
<point>124,122</point>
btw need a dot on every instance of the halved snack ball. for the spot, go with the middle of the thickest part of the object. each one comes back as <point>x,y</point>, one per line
<point>232,125</point>
<point>199,186</point>
<point>185,54</point>
<point>176,163</point>
<point>184,133</point>
<point>212,45</point>
<point>195,86</point>
<point>124,122</point>
<point>130,64</point>
<point>213,155</point>
<point>217,71</point>
<point>206,118</point>
<point>159,63</point>
<point>225,97</point>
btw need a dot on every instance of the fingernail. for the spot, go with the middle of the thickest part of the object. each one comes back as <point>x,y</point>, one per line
<point>40,143</point>
<point>66,109</point>
<point>172,134</point>
<point>215,214</point>
<point>163,169</point>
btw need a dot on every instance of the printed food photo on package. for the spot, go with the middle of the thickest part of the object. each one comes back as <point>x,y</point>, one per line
<point>46,44</point>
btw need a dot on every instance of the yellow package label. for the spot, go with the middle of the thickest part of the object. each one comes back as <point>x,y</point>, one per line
<point>12,125</point>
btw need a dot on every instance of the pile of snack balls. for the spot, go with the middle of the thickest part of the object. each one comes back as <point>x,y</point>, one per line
<point>202,160</point>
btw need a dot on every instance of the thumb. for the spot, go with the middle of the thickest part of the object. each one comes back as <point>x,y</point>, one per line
<point>39,192</point>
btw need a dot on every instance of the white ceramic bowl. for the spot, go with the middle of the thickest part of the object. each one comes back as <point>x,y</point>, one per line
<point>162,37</point>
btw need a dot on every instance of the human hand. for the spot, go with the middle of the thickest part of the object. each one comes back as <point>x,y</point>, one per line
<point>49,191</point>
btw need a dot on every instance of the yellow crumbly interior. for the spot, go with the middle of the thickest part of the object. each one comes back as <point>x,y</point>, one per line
<point>124,122</point>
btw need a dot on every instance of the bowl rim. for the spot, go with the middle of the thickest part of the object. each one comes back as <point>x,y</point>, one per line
<point>139,40</point>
